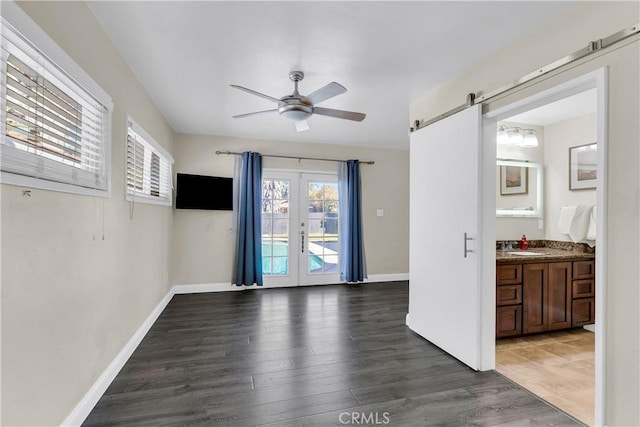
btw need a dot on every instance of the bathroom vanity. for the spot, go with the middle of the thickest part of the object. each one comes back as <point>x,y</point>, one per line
<point>545,288</point>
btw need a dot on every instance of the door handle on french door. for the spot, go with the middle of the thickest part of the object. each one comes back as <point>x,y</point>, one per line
<point>302,240</point>
<point>466,239</point>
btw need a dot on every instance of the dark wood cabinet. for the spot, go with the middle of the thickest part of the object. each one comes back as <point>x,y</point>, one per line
<point>583,304</point>
<point>508,300</point>
<point>509,321</point>
<point>508,295</point>
<point>509,274</point>
<point>583,269</point>
<point>534,306</point>
<point>546,296</point>
<point>559,292</point>
<point>583,311</point>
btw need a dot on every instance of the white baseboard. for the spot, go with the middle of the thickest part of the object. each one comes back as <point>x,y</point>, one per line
<point>206,287</point>
<point>227,287</point>
<point>82,410</point>
<point>395,277</point>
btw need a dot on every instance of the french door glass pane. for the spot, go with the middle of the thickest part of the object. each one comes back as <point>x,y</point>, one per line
<point>323,227</point>
<point>275,227</point>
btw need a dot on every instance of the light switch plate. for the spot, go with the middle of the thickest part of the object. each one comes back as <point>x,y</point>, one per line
<point>540,224</point>
<point>379,212</point>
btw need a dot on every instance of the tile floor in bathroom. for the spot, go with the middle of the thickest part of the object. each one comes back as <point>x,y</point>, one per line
<point>558,367</point>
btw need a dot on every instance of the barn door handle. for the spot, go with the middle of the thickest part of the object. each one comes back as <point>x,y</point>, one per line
<point>466,239</point>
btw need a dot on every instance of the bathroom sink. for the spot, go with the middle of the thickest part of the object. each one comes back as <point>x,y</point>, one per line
<point>525,253</point>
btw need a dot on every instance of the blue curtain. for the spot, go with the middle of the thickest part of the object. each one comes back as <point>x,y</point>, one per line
<point>353,267</point>
<point>248,259</point>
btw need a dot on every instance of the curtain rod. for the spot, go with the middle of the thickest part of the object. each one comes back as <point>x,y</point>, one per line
<point>369,162</point>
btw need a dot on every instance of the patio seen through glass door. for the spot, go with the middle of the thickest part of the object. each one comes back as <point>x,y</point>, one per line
<point>300,228</point>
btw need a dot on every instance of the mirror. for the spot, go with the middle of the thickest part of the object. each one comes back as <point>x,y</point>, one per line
<point>518,189</point>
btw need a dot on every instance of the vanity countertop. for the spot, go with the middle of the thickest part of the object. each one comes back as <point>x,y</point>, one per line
<point>546,254</point>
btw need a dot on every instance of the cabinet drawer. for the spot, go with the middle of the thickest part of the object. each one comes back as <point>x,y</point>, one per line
<point>509,274</point>
<point>583,312</point>
<point>508,321</point>
<point>583,269</point>
<point>584,288</point>
<point>508,295</point>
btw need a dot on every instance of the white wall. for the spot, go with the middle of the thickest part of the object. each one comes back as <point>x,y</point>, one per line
<point>560,136</point>
<point>203,242</point>
<point>586,21</point>
<point>512,228</point>
<point>71,299</point>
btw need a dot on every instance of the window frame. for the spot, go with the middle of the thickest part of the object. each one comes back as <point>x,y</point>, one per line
<point>157,149</point>
<point>29,36</point>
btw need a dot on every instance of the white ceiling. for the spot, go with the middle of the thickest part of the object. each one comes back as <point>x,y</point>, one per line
<point>563,109</point>
<point>387,54</point>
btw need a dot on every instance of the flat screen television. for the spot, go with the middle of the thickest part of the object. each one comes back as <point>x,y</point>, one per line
<point>204,192</point>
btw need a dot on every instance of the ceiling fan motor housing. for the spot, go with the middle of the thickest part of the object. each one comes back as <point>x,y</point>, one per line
<point>295,108</point>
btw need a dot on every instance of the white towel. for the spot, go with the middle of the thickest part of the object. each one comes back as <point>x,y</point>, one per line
<point>591,232</point>
<point>580,223</point>
<point>566,215</point>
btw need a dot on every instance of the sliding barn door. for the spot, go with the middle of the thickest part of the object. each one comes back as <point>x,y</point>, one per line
<point>444,287</point>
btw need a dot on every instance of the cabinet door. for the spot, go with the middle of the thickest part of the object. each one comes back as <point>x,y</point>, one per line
<point>508,321</point>
<point>583,269</point>
<point>559,296</point>
<point>534,300</point>
<point>508,295</point>
<point>509,274</point>
<point>584,288</point>
<point>584,311</point>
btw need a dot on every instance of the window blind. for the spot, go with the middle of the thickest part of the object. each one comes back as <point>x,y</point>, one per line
<point>148,169</point>
<point>52,128</point>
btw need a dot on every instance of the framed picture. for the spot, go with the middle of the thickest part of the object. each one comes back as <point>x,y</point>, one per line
<point>513,180</point>
<point>583,167</point>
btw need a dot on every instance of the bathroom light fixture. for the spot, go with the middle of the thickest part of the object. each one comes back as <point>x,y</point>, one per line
<point>516,137</point>
<point>503,138</point>
<point>530,139</point>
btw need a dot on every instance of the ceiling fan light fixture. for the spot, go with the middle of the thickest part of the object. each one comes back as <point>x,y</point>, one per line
<point>295,113</point>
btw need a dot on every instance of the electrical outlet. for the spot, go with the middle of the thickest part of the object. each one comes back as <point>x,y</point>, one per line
<point>379,212</point>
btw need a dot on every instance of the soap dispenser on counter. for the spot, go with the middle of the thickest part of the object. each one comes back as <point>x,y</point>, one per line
<point>524,245</point>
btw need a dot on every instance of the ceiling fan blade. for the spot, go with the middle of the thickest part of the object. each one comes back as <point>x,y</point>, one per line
<point>328,91</point>
<point>339,114</point>
<point>301,125</point>
<point>255,113</point>
<point>261,95</point>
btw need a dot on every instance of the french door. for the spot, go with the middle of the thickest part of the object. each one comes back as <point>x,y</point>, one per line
<point>300,228</point>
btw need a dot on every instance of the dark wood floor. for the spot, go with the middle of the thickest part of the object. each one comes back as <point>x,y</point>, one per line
<point>309,356</point>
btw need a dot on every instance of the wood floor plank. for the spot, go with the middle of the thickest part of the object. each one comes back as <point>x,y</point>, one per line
<point>304,357</point>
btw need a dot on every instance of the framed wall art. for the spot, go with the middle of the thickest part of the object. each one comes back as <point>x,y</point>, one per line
<point>583,167</point>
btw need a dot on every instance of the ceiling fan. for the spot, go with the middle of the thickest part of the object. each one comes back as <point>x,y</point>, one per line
<point>298,108</point>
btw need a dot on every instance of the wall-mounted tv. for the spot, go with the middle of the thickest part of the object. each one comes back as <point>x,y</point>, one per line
<point>204,192</point>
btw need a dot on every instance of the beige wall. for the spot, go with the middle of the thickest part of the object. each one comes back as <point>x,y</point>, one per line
<point>587,21</point>
<point>560,136</point>
<point>203,239</point>
<point>71,299</point>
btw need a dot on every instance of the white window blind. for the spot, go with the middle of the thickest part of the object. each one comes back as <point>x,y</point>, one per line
<point>149,176</point>
<point>52,128</point>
